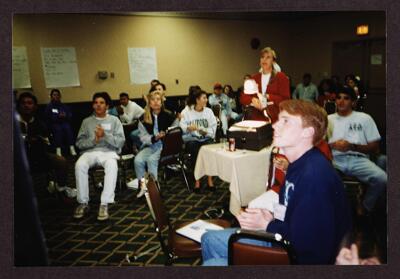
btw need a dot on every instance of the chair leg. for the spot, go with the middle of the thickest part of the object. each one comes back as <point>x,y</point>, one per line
<point>169,260</point>
<point>144,253</point>
<point>123,175</point>
<point>184,175</point>
<point>93,179</point>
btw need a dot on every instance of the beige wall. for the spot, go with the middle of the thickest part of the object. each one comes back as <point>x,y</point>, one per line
<point>194,51</point>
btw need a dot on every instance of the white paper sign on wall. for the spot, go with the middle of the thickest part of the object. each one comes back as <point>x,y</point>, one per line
<point>60,66</point>
<point>142,65</point>
<point>20,67</point>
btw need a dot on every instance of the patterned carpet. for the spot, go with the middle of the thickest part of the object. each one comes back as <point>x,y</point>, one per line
<point>130,230</point>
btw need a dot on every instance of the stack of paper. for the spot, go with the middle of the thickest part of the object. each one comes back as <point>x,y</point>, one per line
<point>247,126</point>
<point>265,201</point>
<point>197,228</point>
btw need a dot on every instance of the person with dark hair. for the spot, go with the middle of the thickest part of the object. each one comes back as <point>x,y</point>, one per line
<point>199,126</point>
<point>354,82</point>
<point>336,83</point>
<point>129,113</point>
<point>234,102</point>
<point>353,137</point>
<point>152,128</point>
<point>154,82</point>
<point>273,87</point>
<point>128,110</point>
<point>313,213</point>
<point>36,137</point>
<point>160,87</point>
<point>192,90</point>
<point>29,240</point>
<point>58,117</point>
<point>326,98</point>
<point>100,139</point>
<point>306,90</point>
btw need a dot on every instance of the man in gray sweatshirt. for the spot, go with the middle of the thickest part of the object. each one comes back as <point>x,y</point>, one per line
<point>100,139</point>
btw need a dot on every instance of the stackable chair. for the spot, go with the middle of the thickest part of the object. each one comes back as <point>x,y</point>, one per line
<point>216,109</point>
<point>281,252</point>
<point>172,152</point>
<point>124,161</point>
<point>174,246</point>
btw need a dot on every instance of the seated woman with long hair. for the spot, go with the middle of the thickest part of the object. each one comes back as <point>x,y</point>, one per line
<point>199,125</point>
<point>152,127</point>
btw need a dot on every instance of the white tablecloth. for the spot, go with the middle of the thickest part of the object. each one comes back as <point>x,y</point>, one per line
<point>245,170</point>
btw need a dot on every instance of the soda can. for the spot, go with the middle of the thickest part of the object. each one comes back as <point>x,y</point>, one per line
<point>232,144</point>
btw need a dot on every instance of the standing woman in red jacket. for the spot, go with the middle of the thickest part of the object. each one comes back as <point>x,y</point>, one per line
<point>272,84</point>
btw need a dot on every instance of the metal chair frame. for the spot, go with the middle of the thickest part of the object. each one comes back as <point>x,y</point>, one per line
<point>172,152</point>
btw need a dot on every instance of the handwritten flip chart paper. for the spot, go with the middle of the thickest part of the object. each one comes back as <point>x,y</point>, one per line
<point>142,65</point>
<point>20,68</point>
<point>60,67</point>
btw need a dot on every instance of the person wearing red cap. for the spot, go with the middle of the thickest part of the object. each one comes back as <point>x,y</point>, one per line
<point>272,84</point>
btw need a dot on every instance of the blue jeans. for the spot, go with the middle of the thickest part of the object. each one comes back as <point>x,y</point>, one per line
<point>367,172</point>
<point>214,246</point>
<point>135,138</point>
<point>147,156</point>
<point>381,160</point>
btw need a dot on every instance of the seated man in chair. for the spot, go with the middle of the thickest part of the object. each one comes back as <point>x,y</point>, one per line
<point>353,136</point>
<point>129,113</point>
<point>313,211</point>
<point>40,155</point>
<point>100,138</point>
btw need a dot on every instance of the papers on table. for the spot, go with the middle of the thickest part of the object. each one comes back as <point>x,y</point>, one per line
<point>265,201</point>
<point>196,229</point>
<point>247,126</point>
<point>250,124</point>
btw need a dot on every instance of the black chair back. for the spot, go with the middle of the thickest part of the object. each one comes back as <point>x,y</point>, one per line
<point>172,146</point>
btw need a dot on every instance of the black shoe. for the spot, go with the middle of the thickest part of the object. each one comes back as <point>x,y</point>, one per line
<point>211,188</point>
<point>197,190</point>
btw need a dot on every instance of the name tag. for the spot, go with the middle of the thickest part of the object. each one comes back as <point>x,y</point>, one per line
<point>54,110</point>
<point>279,211</point>
<point>106,126</point>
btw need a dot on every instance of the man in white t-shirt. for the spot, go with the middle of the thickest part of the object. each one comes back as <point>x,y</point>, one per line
<point>128,113</point>
<point>353,136</point>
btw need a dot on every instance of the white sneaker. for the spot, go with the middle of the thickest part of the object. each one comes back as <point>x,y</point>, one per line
<point>60,188</point>
<point>58,151</point>
<point>81,211</point>
<point>133,184</point>
<point>103,212</point>
<point>72,150</point>
<point>71,192</point>
<point>143,190</point>
<point>51,187</point>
